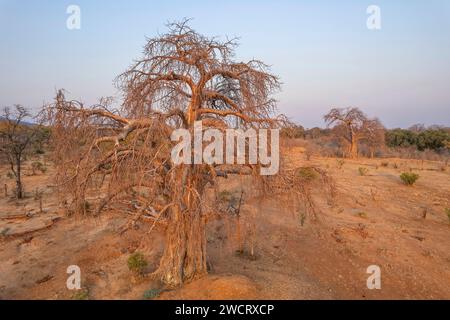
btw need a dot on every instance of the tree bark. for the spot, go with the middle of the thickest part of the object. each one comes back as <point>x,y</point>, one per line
<point>353,146</point>
<point>19,187</point>
<point>184,256</point>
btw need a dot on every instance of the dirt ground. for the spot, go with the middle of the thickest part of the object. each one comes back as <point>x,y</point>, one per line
<point>373,220</point>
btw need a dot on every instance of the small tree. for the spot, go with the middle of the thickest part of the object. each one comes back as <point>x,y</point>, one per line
<point>16,139</point>
<point>293,132</point>
<point>353,126</point>
<point>374,136</point>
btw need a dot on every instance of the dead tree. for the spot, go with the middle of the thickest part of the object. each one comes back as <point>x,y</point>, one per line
<point>16,139</point>
<point>183,77</point>
<point>374,136</point>
<point>353,126</point>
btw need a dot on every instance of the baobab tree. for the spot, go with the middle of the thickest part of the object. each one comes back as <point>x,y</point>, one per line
<point>16,140</point>
<point>354,126</point>
<point>183,77</point>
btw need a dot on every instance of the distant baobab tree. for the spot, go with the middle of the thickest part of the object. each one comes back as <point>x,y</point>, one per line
<point>183,77</point>
<point>354,127</point>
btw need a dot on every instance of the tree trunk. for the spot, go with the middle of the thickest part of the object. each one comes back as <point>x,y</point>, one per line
<point>19,187</point>
<point>184,256</point>
<point>354,147</point>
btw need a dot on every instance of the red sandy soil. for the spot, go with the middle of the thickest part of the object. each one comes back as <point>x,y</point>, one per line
<point>373,220</point>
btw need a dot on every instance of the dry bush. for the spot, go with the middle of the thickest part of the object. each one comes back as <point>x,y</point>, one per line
<point>447,212</point>
<point>413,153</point>
<point>340,163</point>
<point>38,166</point>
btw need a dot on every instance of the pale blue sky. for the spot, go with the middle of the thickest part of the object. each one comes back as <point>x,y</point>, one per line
<point>322,51</point>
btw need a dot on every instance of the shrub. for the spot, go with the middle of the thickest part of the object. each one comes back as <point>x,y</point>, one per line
<point>137,263</point>
<point>84,207</point>
<point>409,178</point>
<point>229,202</point>
<point>38,194</point>
<point>385,164</point>
<point>82,294</point>
<point>424,212</point>
<point>307,173</point>
<point>4,231</point>
<point>363,171</point>
<point>340,163</point>
<point>302,218</point>
<point>362,214</point>
<point>225,195</point>
<point>151,294</point>
<point>10,175</point>
<point>447,211</point>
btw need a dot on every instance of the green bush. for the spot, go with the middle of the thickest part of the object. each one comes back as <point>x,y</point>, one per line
<point>137,263</point>
<point>307,173</point>
<point>82,294</point>
<point>362,214</point>
<point>433,139</point>
<point>447,211</point>
<point>409,178</point>
<point>401,138</point>
<point>363,171</point>
<point>151,294</point>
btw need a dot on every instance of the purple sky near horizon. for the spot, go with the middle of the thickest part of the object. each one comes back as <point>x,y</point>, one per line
<point>322,51</point>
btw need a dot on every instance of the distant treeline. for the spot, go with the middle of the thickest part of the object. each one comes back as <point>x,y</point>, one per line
<point>434,138</point>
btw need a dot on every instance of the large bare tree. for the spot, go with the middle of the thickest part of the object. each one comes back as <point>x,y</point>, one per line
<point>183,77</point>
<point>353,126</point>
